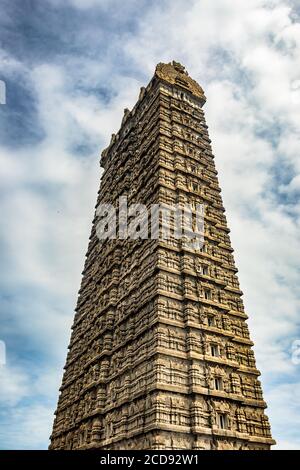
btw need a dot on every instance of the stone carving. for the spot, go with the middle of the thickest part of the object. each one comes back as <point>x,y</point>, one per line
<point>175,74</point>
<point>160,355</point>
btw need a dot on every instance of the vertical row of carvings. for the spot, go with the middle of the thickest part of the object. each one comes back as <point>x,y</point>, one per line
<point>214,374</point>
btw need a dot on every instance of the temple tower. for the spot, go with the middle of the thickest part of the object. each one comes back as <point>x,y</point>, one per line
<point>160,355</point>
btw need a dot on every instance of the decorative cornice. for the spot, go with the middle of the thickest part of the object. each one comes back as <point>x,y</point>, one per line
<point>175,74</point>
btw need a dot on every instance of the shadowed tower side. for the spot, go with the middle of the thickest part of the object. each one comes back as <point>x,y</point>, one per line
<point>160,355</point>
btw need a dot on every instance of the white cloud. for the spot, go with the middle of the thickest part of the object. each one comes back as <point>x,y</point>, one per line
<point>288,393</point>
<point>27,427</point>
<point>14,385</point>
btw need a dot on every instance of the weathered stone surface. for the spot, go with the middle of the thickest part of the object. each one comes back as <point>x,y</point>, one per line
<point>160,355</point>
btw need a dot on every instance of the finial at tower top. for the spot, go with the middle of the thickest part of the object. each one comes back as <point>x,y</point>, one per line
<point>175,73</point>
<point>180,68</point>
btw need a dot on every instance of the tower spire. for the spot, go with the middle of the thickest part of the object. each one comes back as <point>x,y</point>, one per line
<point>160,355</point>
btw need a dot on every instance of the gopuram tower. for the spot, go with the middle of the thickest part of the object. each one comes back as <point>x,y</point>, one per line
<point>160,355</point>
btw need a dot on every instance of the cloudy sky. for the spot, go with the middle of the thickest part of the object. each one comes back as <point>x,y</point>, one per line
<point>70,68</point>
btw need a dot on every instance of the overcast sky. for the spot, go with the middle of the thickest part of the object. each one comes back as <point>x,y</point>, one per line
<point>70,68</point>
